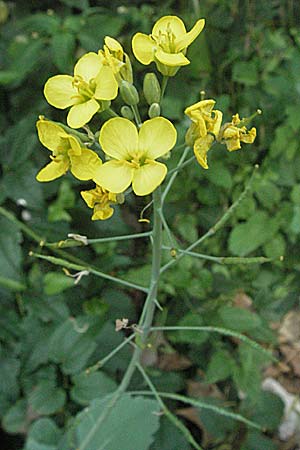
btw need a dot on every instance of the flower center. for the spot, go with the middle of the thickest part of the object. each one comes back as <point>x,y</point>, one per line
<point>166,40</point>
<point>85,89</point>
<point>136,158</point>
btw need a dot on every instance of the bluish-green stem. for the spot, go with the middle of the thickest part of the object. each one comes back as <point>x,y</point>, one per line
<point>146,319</point>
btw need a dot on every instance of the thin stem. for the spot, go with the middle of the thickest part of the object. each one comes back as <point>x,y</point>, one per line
<point>222,259</point>
<point>217,225</point>
<point>145,321</point>
<point>80,242</point>
<point>103,361</point>
<point>69,265</point>
<point>178,168</point>
<point>223,332</point>
<point>174,175</point>
<point>163,86</point>
<point>172,418</point>
<point>136,114</point>
<point>171,236</point>
<point>202,405</point>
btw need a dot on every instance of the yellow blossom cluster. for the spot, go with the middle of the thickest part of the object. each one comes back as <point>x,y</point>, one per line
<point>130,148</point>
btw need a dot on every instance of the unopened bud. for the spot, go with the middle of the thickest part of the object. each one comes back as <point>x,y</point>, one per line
<point>151,88</point>
<point>154,110</point>
<point>3,12</point>
<point>127,112</point>
<point>129,93</point>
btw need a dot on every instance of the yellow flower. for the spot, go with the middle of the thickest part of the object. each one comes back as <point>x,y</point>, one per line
<point>99,199</point>
<point>204,129</point>
<point>234,133</point>
<point>166,45</point>
<point>67,153</point>
<point>114,56</point>
<point>87,92</point>
<point>133,154</point>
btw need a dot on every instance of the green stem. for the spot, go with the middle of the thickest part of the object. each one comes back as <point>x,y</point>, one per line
<point>179,167</point>
<point>80,268</point>
<point>145,321</point>
<point>174,175</point>
<point>103,361</point>
<point>217,225</point>
<point>223,259</point>
<point>79,243</point>
<point>136,114</point>
<point>163,86</point>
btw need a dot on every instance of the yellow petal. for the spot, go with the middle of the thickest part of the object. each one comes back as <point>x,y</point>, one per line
<point>113,44</point>
<point>201,147</point>
<point>169,22</point>
<point>118,136</point>
<point>195,111</point>
<point>217,122</point>
<point>106,85</point>
<point>89,197</point>
<point>233,144</point>
<point>74,145</point>
<point>249,137</point>
<point>115,176</point>
<point>102,212</point>
<point>88,66</point>
<point>84,166</point>
<point>50,134</point>
<point>53,170</point>
<point>143,48</point>
<point>81,114</point>
<point>59,91</point>
<point>156,137</point>
<point>185,40</point>
<point>148,177</point>
<point>171,59</point>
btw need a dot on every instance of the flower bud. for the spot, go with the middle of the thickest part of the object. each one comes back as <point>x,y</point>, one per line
<point>129,93</point>
<point>154,110</point>
<point>151,88</point>
<point>127,112</point>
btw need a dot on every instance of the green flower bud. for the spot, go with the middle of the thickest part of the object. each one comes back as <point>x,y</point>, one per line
<point>151,88</point>
<point>129,93</point>
<point>3,12</point>
<point>127,112</point>
<point>154,110</point>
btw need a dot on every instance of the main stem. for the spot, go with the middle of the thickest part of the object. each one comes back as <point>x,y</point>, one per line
<point>147,315</point>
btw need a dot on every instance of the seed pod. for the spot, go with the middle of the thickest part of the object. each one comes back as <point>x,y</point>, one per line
<point>151,88</point>
<point>127,112</point>
<point>129,93</point>
<point>154,110</point>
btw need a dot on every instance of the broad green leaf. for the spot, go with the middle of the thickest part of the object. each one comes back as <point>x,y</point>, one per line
<point>15,420</point>
<point>257,441</point>
<point>130,424</point>
<point>168,437</point>
<point>276,247</point>
<point>248,236</point>
<point>10,251</point>
<point>71,345</point>
<point>219,367</point>
<point>219,175</point>
<point>63,47</point>
<point>88,386</point>
<point>56,282</point>
<point>190,337</point>
<point>245,73</point>
<point>96,27</point>
<point>46,398</point>
<point>238,319</point>
<point>43,435</point>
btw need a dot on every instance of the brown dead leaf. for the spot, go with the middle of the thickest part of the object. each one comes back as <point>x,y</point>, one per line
<point>242,300</point>
<point>289,331</point>
<point>197,389</point>
<point>173,361</point>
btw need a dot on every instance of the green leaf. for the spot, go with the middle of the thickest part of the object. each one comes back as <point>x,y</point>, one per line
<point>245,73</point>
<point>46,398</point>
<point>295,223</point>
<point>248,236</point>
<point>15,420</point>
<point>66,199</point>
<point>219,175</point>
<point>238,319</point>
<point>257,441</point>
<point>87,387</point>
<point>10,252</point>
<point>276,247</point>
<point>63,48</point>
<point>130,424</point>
<point>56,282</point>
<point>80,4</point>
<point>168,437</point>
<point>219,367</point>
<point>72,345</point>
<point>96,27</point>
<point>190,337</point>
<point>43,435</point>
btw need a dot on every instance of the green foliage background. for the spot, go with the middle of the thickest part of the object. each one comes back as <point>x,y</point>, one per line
<point>248,57</point>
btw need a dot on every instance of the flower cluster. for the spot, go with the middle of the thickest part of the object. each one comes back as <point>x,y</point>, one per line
<point>125,152</point>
